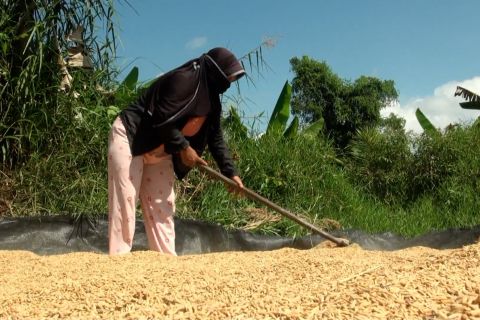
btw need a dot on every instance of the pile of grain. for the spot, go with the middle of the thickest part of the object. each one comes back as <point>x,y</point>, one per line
<point>321,283</point>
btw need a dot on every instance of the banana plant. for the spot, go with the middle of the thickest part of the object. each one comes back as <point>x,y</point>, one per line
<point>277,124</point>
<point>313,130</point>
<point>127,88</point>
<point>234,123</point>
<point>425,123</point>
<point>125,93</point>
<point>281,112</point>
<point>279,118</point>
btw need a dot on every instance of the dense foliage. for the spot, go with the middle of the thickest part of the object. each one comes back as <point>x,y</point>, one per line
<point>35,40</point>
<point>345,107</point>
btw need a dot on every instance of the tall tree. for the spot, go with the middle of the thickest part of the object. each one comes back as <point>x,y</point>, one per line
<point>346,107</point>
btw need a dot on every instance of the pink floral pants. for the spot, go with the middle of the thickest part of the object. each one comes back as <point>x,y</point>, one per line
<point>148,177</point>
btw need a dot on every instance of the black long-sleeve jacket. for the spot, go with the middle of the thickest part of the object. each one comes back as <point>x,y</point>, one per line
<point>159,115</point>
<point>143,138</point>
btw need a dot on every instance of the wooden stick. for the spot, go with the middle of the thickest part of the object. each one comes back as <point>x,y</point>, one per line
<point>254,196</point>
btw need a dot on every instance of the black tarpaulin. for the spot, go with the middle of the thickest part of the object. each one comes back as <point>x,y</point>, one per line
<point>57,235</point>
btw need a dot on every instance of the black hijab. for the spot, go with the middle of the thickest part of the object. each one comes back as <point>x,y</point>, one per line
<point>192,89</point>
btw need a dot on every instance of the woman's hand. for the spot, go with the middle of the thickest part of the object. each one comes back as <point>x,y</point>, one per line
<point>239,183</point>
<point>190,157</point>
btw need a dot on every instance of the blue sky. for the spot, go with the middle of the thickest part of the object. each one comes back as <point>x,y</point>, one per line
<point>426,46</point>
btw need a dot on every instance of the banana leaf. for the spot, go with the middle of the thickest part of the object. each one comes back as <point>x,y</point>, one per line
<point>145,85</point>
<point>234,124</point>
<point>281,112</point>
<point>292,129</point>
<point>474,105</point>
<point>314,129</point>
<point>426,125</point>
<point>466,94</point>
<point>126,90</point>
<point>130,81</point>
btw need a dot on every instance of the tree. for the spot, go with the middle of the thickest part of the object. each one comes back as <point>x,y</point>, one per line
<point>393,123</point>
<point>345,106</point>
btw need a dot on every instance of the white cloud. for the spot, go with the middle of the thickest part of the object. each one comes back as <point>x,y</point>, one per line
<point>441,108</point>
<point>196,43</point>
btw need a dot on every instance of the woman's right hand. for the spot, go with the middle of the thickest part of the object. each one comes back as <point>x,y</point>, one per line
<point>190,157</point>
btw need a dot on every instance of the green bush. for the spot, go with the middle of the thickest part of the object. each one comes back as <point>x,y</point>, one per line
<point>381,163</point>
<point>399,168</point>
<point>460,188</point>
<point>434,160</point>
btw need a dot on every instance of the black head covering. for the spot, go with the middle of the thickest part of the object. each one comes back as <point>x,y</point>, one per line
<point>193,88</point>
<point>221,64</point>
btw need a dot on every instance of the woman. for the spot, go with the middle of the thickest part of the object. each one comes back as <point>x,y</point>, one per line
<point>163,135</point>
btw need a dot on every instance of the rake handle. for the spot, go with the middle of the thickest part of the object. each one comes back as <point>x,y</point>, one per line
<point>254,196</point>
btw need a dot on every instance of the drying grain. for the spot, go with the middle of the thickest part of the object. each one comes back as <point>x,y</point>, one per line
<point>321,283</point>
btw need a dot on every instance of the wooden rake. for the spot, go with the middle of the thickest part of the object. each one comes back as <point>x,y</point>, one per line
<point>254,196</point>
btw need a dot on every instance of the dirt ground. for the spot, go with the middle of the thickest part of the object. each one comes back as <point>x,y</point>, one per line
<point>320,283</point>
